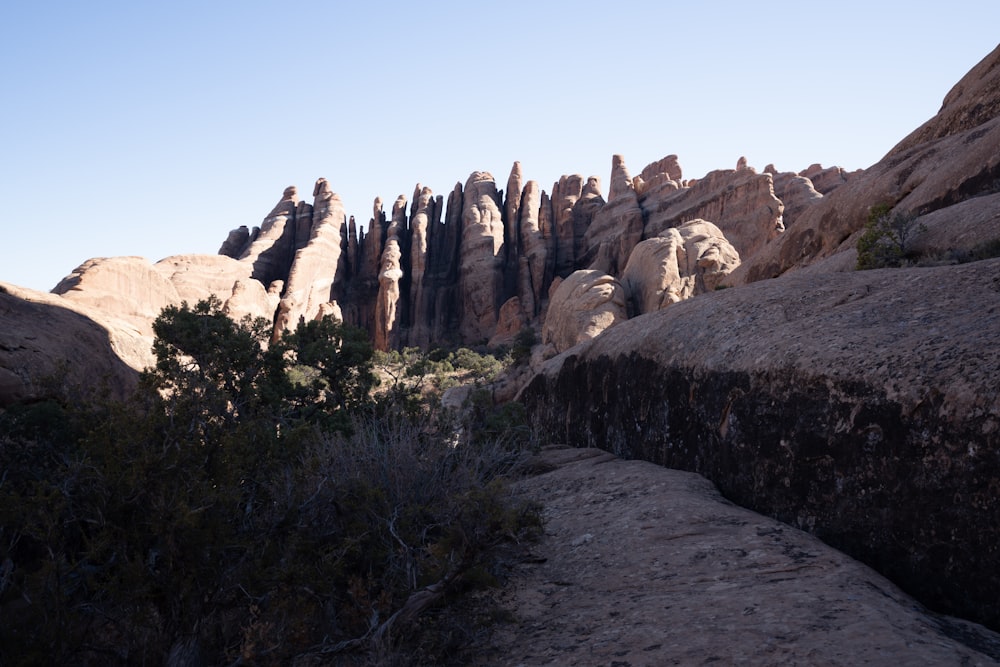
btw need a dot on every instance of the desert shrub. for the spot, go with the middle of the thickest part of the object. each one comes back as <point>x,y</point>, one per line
<point>521,350</point>
<point>984,250</point>
<point>884,242</point>
<point>483,366</point>
<point>248,503</point>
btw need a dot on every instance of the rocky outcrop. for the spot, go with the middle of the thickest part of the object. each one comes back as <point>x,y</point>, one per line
<point>617,227</point>
<point>481,267</point>
<point>680,263</point>
<point>533,252</point>
<point>971,103</point>
<point>273,246</point>
<point>388,308</point>
<point>951,159</point>
<point>862,407</point>
<point>52,347</point>
<point>795,191</point>
<point>740,202</point>
<point>582,306</point>
<point>826,179</point>
<point>317,274</point>
<point>640,565</point>
<point>423,223</point>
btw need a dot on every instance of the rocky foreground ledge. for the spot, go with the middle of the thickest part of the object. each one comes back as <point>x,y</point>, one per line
<point>642,565</point>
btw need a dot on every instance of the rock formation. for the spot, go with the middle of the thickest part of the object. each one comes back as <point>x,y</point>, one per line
<point>640,565</point>
<point>740,202</point>
<point>951,159</point>
<point>317,272</point>
<point>617,227</point>
<point>388,308</point>
<point>680,263</point>
<point>481,258</point>
<point>51,346</point>
<point>582,306</point>
<point>862,407</point>
<point>273,247</point>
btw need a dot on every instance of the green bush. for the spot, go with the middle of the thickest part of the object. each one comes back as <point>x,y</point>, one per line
<point>885,240</point>
<point>249,503</point>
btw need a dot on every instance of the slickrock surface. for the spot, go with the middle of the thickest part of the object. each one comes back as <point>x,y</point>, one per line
<point>40,338</point>
<point>641,565</point>
<point>862,407</point>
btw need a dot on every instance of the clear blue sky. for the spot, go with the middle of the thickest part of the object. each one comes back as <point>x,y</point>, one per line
<point>153,128</point>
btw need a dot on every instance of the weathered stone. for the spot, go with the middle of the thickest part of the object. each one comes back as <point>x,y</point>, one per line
<point>533,251</point>
<point>659,177</point>
<point>422,224</point>
<point>972,102</point>
<point>130,287</point>
<point>510,322</point>
<point>317,273</point>
<point>270,254</point>
<point>195,277</point>
<point>616,227</point>
<point>945,162</point>
<point>741,203</point>
<point>511,223</point>
<point>565,193</point>
<point>826,180</point>
<point>388,316</point>
<point>680,263</point>
<point>237,241</point>
<point>581,307</point>
<point>481,268</point>
<point>795,191</point>
<point>642,565</point>
<point>46,338</point>
<point>860,406</point>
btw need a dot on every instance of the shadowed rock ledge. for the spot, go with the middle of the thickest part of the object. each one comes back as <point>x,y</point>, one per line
<point>862,407</point>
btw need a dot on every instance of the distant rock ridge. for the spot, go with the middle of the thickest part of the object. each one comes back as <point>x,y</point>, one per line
<point>470,269</point>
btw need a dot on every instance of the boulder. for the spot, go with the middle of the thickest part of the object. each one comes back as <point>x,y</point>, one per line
<point>581,307</point>
<point>678,264</point>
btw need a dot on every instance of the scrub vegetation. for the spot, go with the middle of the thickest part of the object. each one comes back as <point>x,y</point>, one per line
<point>257,503</point>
